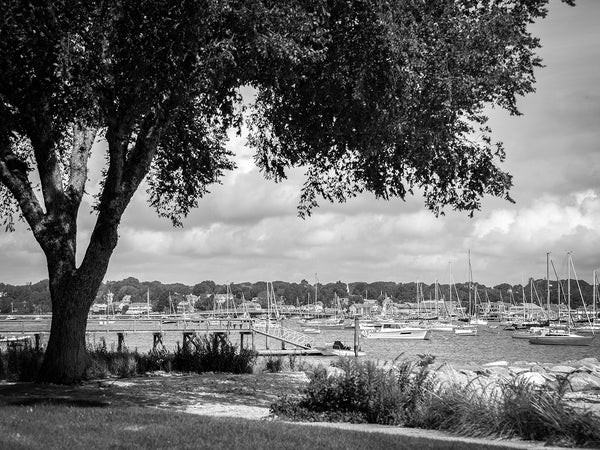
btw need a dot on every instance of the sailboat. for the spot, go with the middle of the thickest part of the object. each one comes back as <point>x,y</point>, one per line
<point>558,336</point>
<point>471,328</point>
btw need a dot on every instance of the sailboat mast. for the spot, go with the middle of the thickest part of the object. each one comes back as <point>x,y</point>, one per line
<point>470,283</point>
<point>569,290</point>
<point>548,283</point>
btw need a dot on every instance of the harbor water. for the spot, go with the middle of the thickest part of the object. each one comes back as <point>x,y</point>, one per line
<point>489,345</point>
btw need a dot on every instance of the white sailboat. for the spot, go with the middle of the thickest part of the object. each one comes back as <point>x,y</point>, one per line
<point>557,336</point>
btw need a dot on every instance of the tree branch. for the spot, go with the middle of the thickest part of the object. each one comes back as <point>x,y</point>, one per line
<point>13,174</point>
<point>48,166</point>
<point>83,139</point>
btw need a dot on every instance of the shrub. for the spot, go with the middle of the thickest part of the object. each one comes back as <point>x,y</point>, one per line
<point>274,364</point>
<point>23,362</point>
<point>363,393</point>
<point>509,408</point>
<point>213,353</point>
<point>155,359</point>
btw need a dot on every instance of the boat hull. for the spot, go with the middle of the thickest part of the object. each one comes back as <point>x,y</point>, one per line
<point>561,340</point>
<point>405,334</point>
<point>466,331</point>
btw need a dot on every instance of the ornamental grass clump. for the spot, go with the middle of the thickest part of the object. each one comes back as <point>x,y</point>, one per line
<point>509,408</point>
<point>20,362</point>
<point>361,392</point>
<point>217,354</point>
<point>213,353</point>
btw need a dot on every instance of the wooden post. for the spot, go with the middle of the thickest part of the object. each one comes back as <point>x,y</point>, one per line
<point>37,342</point>
<point>356,336</point>
<point>187,337</point>
<point>157,339</point>
<point>120,340</point>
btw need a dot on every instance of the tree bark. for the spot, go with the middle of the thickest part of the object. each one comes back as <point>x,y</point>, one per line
<point>66,359</point>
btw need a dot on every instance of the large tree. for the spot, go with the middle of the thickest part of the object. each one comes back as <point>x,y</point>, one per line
<point>366,95</point>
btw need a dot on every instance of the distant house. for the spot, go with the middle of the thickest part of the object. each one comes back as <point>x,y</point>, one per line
<point>99,308</point>
<point>367,308</point>
<point>250,306</point>
<point>186,306</point>
<point>527,310</point>
<point>123,304</point>
<point>138,309</point>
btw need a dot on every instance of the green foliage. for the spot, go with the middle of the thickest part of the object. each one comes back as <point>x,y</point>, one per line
<point>378,96</point>
<point>274,364</point>
<point>409,395</point>
<point>22,362</point>
<point>508,409</point>
<point>213,353</point>
<point>362,393</point>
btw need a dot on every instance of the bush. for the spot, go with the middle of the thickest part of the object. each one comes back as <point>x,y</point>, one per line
<point>155,359</point>
<point>22,362</point>
<point>363,393</point>
<point>212,353</point>
<point>274,364</point>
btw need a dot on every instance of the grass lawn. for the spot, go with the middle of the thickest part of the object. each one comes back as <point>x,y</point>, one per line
<point>66,427</point>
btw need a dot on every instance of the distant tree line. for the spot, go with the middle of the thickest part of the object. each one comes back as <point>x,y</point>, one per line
<point>35,298</point>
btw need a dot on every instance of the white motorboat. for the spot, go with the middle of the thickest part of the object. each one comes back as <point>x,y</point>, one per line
<point>396,330</point>
<point>466,331</point>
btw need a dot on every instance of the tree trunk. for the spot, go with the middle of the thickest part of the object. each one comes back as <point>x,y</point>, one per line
<point>66,359</point>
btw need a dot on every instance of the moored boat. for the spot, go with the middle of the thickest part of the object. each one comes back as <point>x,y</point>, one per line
<point>396,330</point>
<point>560,337</point>
<point>311,331</point>
<point>465,331</point>
<point>339,349</point>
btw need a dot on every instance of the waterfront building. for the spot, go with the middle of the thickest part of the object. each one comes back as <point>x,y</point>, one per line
<point>138,309</point>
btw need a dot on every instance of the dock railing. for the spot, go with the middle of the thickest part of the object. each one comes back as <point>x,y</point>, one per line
<point>283,334</point>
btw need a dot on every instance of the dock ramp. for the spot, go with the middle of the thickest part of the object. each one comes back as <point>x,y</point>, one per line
<point>283,334</point>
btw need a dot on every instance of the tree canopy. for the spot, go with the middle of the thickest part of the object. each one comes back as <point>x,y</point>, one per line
<point>383,96</point>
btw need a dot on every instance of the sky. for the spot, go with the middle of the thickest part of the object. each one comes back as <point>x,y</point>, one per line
<point>247,229</point>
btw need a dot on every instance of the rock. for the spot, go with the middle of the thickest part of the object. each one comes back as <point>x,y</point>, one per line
<point>562,369</point>
<point>521,364</point>
<point>534,378</point>
<point>537,368</point>
<point>334,371</point>
<point>589,362</point>
<point>497,364</point>
<point>449,376</point>
<point>581,381</point>
<point>500,372</point>
<point>518,370</point>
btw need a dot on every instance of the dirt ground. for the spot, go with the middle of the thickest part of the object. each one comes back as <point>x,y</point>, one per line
<point>214,394</point>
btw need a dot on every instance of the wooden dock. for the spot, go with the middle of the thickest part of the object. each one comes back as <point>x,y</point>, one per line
<point>190,328</point>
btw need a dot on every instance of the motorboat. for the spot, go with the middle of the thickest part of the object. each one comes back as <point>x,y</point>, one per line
<point>396,330</point>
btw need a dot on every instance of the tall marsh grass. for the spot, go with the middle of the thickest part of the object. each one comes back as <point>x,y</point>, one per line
<point>20,362</point>
<point>409,394</point>
<point>208,354</point>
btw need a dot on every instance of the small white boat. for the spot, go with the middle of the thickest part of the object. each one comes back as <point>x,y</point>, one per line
<point>339,349</point>
<point>395,330</point>
<point>466,331</point>
<point>311,331</point>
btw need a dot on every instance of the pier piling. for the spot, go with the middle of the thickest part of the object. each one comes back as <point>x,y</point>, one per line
<point>120,341</point>
<point>157,340</point>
